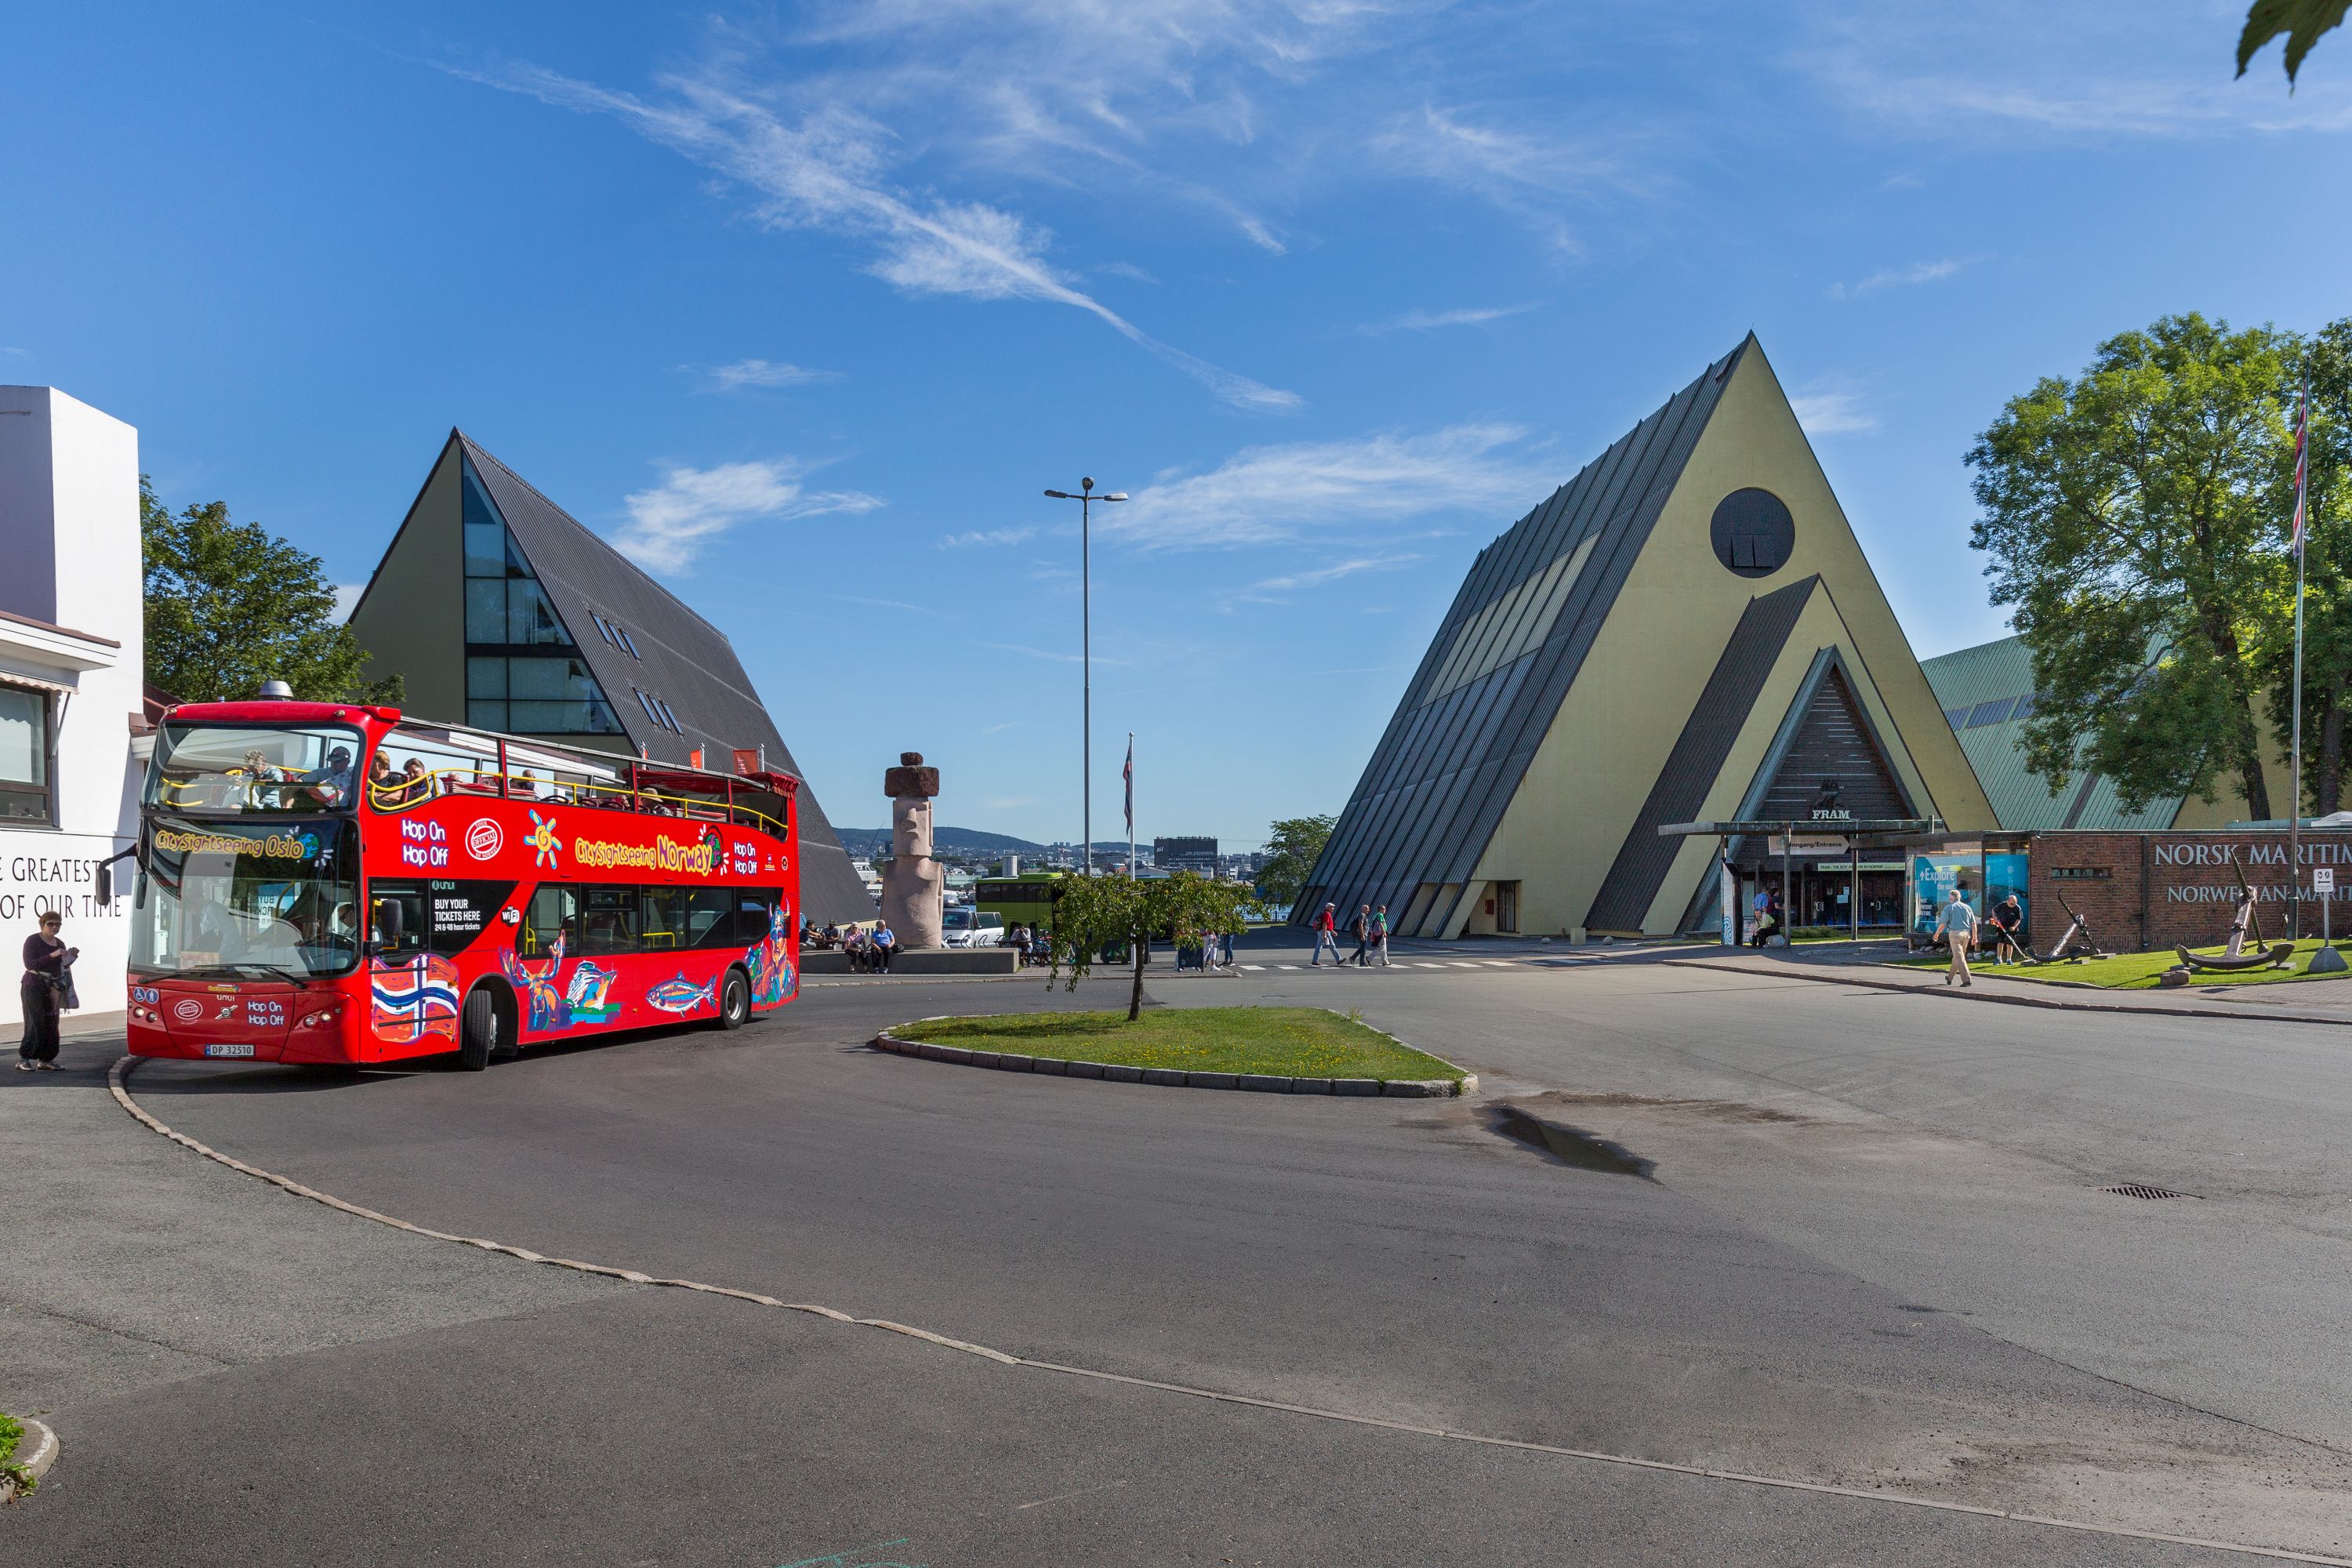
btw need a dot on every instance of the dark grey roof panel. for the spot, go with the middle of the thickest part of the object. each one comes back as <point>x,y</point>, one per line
<point>685,660</point>
<point>1445,769</point>
<point>1681,790</point>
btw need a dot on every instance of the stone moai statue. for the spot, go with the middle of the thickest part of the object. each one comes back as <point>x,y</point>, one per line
<point>913,881</point>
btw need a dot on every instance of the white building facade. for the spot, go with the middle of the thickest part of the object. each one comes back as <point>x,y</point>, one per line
<point>72,750</point>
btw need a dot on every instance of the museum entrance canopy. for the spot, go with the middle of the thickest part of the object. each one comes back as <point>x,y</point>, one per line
<point>1847,826</point>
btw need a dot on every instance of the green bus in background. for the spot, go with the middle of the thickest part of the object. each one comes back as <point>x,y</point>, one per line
<point>1025,899</point>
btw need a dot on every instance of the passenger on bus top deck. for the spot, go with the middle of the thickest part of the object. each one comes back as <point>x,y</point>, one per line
<point>415,783</point>
<point>383,783</point>
<point>332,783</point>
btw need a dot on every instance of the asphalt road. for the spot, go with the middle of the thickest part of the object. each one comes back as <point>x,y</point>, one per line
<point>1871,1254</point>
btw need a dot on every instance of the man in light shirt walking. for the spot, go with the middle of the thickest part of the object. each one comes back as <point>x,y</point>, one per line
<point>1958,924</point>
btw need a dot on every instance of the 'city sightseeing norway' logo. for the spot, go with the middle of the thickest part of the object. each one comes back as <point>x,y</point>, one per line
<point>542,840</point>
<point>483,840</point>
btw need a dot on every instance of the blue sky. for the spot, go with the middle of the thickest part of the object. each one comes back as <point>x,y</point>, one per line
<point>805,306</point>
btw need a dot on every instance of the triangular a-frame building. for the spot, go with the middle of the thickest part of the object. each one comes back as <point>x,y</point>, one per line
<point>502,611</point>
<point>1686,631</point>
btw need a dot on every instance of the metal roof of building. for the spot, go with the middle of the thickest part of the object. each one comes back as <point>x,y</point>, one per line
<point>680,658</point>
<point>1986,693</point>
<point>1485,691</point>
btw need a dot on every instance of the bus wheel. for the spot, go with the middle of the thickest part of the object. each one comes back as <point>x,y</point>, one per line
<point>734,1001</point>
<point>477,1033</point>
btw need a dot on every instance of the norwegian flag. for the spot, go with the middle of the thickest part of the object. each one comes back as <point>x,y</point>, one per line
<point>1128,773</point>
<point>416,999</point>
<point>2301,459</point>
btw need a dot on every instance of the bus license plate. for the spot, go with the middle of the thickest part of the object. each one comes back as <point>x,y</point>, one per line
<point>229,1050</point>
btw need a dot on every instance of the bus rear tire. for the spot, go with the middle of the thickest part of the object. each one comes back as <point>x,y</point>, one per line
<point>734,1001</point>
<point>477,1031</point>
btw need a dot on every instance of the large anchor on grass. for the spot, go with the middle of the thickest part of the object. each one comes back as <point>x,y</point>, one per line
<point>2245,927</point>
<point>2078,943</point>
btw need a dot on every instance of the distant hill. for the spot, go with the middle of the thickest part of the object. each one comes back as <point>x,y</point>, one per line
<point>866,842</point>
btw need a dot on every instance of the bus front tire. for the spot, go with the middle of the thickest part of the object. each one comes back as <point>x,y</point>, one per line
<point>734,1001</point>
<point>477,1033</point>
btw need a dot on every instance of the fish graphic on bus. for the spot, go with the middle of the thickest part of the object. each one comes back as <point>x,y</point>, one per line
<point>681,996</point>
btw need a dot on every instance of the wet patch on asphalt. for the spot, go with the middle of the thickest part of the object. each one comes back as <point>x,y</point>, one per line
<point>1571,1146</point>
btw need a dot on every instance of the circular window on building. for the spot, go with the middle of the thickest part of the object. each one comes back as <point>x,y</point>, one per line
<point>1753,533</point>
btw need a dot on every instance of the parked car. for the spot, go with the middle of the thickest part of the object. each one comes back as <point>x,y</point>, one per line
<point>964,926</point>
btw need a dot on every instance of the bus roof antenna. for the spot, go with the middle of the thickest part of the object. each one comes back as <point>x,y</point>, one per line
<point>275,691</point>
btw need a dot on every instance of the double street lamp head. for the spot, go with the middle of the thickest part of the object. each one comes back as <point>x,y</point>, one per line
<point>1065,495</point>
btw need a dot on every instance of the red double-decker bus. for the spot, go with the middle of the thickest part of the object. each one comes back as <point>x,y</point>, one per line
<point>334,883</point>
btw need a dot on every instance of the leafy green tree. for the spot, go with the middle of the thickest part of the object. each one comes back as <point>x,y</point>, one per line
<point>2131,516</point>
<point>230,606</point>
<point>1292,844</point>
<point>2326,358</point>
<point>2300,20</point>
<point>1097,913</point>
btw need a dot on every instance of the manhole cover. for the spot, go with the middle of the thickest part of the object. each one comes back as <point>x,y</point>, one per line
<point>2136,1190</point>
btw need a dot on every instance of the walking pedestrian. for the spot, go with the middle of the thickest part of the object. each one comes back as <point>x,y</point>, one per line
<point>1958,924</point>
<point>48,973</point>
<point>1360,928</point>
<point>1327,934</point>
<point>1381,934</point>
<point>883,943</point>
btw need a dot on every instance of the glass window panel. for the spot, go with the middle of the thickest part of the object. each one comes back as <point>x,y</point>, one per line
<point>488,715</point>
<point>608,920</point>
<point>550,679</point>
<point>486,676</point>
<point>710,918</point>
<point>486,549</point>
<point>570,718</point>
<point>553,912</point>
<point>24,736</point>
<point>529,617</point>
<point>486,610</point>
<point>664,918</point>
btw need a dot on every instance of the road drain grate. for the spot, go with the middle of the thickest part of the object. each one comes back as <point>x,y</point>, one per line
<point>2136,1190</point>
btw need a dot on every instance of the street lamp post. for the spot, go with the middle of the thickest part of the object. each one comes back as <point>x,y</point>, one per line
<point>1085,498</point>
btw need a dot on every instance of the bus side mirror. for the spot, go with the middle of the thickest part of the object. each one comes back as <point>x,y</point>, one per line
<point>105,889</point>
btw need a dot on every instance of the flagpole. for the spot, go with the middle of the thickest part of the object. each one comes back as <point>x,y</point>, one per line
<point>2295,758</point>
<point>1130,804</point>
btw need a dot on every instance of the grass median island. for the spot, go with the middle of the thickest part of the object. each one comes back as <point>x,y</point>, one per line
<point>2134,970</point>
<point>1280,1042</point>
<point>12,1435</point>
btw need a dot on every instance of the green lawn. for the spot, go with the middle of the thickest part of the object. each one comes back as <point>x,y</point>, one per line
<point>1283,1042</point>
<point>2135,970</point>
<point>12,1433</point>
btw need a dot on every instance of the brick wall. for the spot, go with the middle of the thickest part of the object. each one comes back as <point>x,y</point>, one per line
<point>2162,889</point>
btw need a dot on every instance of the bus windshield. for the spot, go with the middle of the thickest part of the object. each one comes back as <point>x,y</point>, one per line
<point>280,901</point>
<point>255,769</point>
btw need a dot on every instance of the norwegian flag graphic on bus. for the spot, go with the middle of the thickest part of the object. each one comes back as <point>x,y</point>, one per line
<point>415,999</point>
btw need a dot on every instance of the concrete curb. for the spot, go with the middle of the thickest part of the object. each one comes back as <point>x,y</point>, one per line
<point>36,1452</point>
<point>1169,1078</point>
<point>1977,993</point>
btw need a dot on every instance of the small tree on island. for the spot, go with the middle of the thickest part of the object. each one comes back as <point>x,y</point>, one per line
<point>1093,913</point>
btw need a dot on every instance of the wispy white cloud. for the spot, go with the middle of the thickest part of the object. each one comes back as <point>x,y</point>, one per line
<point>669,524</point>
<point>1126,270</point>
<point>347,597</point>
<point>1831,406</point>
<point>1049,655</point>
<point>1534,173</point>
<point>1276,590</point>
<point>900,605</point>
<point>828,171</point>
<point>2007,65</point>
<point>746,372</point>
<point>1418,321</point>
<point>1265,494</point>
<point>994,536</point>
<point>1008,724</point>
<point>1898,278</point>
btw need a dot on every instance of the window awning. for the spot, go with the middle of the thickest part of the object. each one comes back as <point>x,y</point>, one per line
<point>34,683</point>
